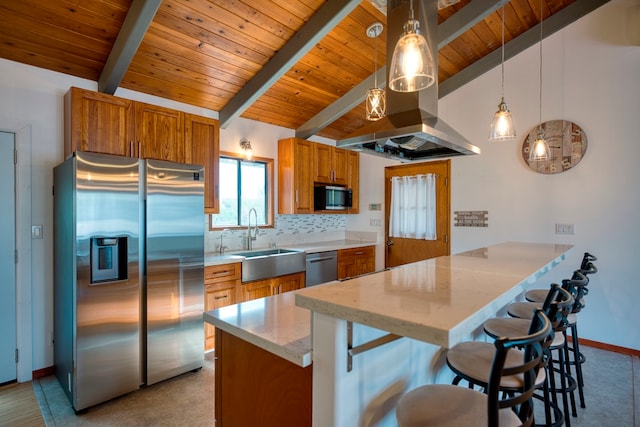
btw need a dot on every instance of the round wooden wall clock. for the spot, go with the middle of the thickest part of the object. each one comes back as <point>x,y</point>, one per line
<point>567,142</point>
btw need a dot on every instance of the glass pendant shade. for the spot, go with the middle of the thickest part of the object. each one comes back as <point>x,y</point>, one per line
<point>376,104</point>
<point>503,125</point>
<point>412,67</point>
<point>539,149</point>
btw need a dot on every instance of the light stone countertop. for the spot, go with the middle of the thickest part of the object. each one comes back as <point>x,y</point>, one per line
<point>440,300</point>
<point>273,323</point>
<point>214,258</point>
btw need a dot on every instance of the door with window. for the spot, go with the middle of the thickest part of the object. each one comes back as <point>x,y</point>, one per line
<point>8,343</point>
<point>401,250</point>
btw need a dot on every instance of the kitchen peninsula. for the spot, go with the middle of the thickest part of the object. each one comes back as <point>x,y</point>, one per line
<point>427,306</point>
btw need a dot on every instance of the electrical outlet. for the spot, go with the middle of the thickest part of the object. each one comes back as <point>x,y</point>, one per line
<point>375,222</point>
<point>565,229</point>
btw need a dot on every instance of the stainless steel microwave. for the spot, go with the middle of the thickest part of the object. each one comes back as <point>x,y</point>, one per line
<point>331,198</point>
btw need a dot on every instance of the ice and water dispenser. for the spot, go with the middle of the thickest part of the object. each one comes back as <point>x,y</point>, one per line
<point>108,259</point>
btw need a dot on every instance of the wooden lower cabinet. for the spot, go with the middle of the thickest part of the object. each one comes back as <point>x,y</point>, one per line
<point>254,387</point>
<point>221,284</point>
<point>272,286</point>
<point>356,261</point>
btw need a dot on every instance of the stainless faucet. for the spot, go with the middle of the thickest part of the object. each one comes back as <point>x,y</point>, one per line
<point>222,247</point>
<point>251,236</point>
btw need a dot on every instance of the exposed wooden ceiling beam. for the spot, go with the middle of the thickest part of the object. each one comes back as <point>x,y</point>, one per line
<point>342,105</point>
<point>133,29</point>
<point>448,31</point>
<point>466,18</point>
<point>318,26</point>
<point>556,22</point>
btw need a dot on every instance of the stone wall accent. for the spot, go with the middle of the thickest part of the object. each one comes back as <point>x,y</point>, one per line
<point>471,219</point>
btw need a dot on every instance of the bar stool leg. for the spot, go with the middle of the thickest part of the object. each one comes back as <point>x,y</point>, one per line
<point>578,359</point>
<point>563,386</point>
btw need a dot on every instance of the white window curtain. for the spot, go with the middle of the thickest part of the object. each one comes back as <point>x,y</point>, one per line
<point>413,207</point>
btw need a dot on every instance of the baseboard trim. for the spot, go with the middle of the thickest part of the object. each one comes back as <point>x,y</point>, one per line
<point>44,372</point>
<point>608,347</point>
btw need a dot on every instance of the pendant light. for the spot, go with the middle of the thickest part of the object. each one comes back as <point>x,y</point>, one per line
<point>539,150</point>
<point>503,126</point>
<point>376,97</point>
<point>412,66</point>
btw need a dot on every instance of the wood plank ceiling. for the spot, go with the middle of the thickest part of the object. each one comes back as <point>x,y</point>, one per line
<point>204,52</point>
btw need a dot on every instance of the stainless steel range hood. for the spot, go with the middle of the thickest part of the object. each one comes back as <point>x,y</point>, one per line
<point>411,131</point>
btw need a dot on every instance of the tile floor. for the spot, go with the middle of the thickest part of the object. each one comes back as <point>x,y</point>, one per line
<point>612,398</point>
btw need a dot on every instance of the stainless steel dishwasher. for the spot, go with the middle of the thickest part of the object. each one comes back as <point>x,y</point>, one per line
<point>321,267</point>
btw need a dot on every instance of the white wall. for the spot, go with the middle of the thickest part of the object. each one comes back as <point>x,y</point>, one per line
<point>591,77</point>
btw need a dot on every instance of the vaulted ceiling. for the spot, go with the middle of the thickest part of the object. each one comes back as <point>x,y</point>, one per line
<point>301,64</point>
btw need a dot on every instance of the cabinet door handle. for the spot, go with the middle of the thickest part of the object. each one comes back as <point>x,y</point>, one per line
<point>296,198</point>
<point>139,149</point>
<point>131,149</point>
<point>221,297</point>
<point>223,273</point>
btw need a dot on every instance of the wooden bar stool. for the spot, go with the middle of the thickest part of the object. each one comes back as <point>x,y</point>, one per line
<point>557,306</point>
<point>538,295</point>
<point>449,405</point>
<point>578,358</point>
<point>559,349</point>
<point>578,283</point>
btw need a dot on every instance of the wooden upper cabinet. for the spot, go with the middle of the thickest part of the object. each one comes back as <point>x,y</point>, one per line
<point>102,123</point>
<point>330,165</point>
<point>98,123</point>
<point>159,133</point>
<point>295,180</point>
<point>202,147</point>
<point>353,180</point>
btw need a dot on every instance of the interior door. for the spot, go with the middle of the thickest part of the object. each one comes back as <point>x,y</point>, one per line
<point>8,343</point>
<point>402,250</point>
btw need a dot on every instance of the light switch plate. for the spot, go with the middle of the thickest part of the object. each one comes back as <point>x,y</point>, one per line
<point>36,231</point>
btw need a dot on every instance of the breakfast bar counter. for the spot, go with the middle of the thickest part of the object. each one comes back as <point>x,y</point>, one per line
<point>416,311</point>
<point>440,300</point>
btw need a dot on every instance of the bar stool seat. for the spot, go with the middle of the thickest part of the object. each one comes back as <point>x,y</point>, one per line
<point>424,407</point>
<point>523,309</point>
<point>451,405</point>
<point>472,361</point>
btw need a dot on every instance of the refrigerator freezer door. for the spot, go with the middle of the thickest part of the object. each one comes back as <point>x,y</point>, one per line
<point>174,269</point>
<point>108,320</point>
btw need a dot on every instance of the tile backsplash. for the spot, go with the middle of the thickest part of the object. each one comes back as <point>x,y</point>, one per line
<point>288,230</point>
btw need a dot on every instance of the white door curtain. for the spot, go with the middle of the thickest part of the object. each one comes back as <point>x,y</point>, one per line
<point>413,207</point>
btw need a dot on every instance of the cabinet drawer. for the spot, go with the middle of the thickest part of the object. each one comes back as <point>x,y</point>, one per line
<point>222,272</point>
<point>367,251</point>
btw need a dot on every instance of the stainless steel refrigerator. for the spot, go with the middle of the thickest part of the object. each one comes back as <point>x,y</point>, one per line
<point>128,274</point>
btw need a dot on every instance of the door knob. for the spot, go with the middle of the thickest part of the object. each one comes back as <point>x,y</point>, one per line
<point>389,242</point>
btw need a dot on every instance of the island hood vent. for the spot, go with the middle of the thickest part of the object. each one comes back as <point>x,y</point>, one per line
<point>411,130</point>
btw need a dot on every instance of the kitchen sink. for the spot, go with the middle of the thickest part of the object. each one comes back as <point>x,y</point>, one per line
<point>266,252</point>
<point>266,263</point>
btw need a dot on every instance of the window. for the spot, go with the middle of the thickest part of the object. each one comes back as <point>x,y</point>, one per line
<point>244,185</point>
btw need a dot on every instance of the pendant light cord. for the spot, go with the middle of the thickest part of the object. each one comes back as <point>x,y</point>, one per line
<point>375,61</point>
<point>540,116</point>
<point>502,93</point>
